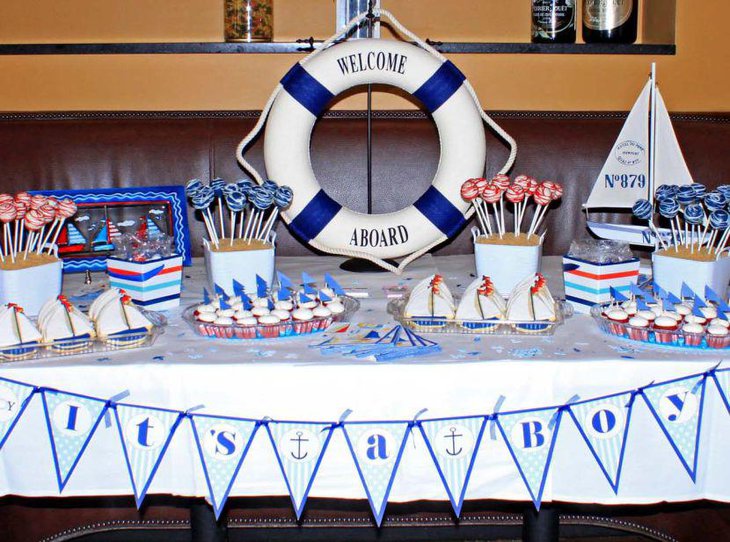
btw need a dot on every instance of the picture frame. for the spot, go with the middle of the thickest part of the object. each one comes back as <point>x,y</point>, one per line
<point>104,213</point>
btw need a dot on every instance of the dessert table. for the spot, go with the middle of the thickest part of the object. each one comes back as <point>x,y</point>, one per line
<point>283,379</point>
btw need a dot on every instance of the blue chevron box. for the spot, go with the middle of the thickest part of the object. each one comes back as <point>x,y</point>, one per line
<point>154,285</point>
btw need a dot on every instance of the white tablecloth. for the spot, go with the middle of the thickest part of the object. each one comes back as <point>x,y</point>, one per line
<point>285,380</point>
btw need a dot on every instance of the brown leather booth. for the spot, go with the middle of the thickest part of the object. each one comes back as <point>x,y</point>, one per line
<point>76,150</point>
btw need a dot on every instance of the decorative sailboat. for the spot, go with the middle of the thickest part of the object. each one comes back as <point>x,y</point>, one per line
<point>645,156</point>
<point>19,338</point>
<point>103,240</point>
<point>70,240</point>
<point>65,326</point>
<point>120,323</point>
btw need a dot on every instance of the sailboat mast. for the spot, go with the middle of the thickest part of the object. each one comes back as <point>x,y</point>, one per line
<point>652,134</point>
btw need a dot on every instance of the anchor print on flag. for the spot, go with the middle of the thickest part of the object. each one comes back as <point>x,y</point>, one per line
<point>453,445</point>
<point>299,449</point>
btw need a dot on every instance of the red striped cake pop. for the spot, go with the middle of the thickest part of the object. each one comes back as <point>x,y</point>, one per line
<point>469,190</point>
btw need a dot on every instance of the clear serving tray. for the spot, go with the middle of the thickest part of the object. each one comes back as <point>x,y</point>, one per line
<point>86,345</point>
<point>289,328</point>
<point>658,337</point>
<point>504,328</point>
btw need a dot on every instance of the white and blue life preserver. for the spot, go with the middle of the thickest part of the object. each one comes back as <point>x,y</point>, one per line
<point>307,89</point>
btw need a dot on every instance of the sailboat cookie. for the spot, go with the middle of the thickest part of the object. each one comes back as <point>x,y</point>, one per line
<point>64,326</point>
<point>19,338</point>
<point>481,306</point>
<point>431,304</point>
<point>532,305</point>
<point>120,323</point>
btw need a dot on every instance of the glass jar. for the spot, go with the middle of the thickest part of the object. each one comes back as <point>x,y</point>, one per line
<point>249,20</point>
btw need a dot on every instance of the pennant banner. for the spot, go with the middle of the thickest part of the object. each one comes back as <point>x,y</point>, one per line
<point>604,424</point>
<point>377,449</point>
<point>722,381</point>
<point>677,407</point>
<point>14,397</point>
<point>222,444</point>
<point>530,438</point>
<point>299,449</point>
<point>453,445</point>
<point>71,420</point>
<point>145,434</point>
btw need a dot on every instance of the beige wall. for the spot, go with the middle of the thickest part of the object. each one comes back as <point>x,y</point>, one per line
<point>696,79</point>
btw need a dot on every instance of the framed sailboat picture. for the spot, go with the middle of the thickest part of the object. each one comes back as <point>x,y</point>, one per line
<point>87,239</point>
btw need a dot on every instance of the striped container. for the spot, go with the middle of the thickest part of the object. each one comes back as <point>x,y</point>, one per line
<point>588,283</point>
<point>154,285</point>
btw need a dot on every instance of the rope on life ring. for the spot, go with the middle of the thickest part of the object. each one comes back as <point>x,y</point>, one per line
<point>321,221</point>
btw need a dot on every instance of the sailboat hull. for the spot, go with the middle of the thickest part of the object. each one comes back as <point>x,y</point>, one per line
<point>635,235</point>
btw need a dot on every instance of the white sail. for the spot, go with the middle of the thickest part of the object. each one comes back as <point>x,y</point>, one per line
<point>625,175</point>
<point>58,324</point>
<point>670,165</point>
<point>12,322</point>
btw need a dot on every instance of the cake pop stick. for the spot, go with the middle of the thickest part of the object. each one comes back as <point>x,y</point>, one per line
<point>282,199</point>
<point>714,201</point>
<point>669,209</point>
<point>693,215</point>
<point>530,185</point>
<point>470,193</point>
<point>685,197</point>
<point>515,195</point>
<point>48,212</point>
<point>218,185</point>
<point>20,209</point>
<point>481,183</point>
<point>643,210</point>
<point>33,223</point>
<point>201,202</point>
<point>556,192</point>
<point>235,201</point>
<point>491,195</point>
<point>7,215</point>
<point>501,181</point>
<point>263,200</point>
<point>542,199</point>
<point>718,221</point>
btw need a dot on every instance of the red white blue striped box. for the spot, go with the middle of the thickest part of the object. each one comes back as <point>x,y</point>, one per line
<point>588,283</point>
<point>154,285</point>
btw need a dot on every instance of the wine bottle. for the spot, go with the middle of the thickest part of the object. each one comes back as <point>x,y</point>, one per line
<point>610,21</point>
<point>553,21</point>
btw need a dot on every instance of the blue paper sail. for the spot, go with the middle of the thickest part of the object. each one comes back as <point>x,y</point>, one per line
<point>377,449</point>
<point>224,304</point>
<point>530,437</point>
<point>667,305</point>
<point>604,423</point>
<point>247,303</point>
<point>303,298</point>
<point>206,297</point>
<point>262,287</point>
<point>658,290</point>
<point>145,433</point>
<point>71,421</point>
<point>674,299</point>
<point>306,279</point>
<point>638,292</point>
<point>299,449</point>
<point>618,296</point>
<point>698,303</point>
<point>222,444</point>
<point>333,285</point>
<point>238,289</point>
<point>687,292</point>
<point>309,290</point>
<point>641,305</point>
<point>283,295</point>
<point>14,398</point>
<point>323,297</point>
<point>220,292</point>
<point>677,408</point>
<point>285,282</point>
<point>453,445</point>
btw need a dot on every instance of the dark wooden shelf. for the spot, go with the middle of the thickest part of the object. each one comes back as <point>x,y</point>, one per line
<point>304,46</point>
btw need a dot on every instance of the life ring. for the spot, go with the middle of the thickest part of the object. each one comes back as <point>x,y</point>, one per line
<point>306,90</point>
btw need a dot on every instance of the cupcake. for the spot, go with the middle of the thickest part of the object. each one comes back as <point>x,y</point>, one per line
<point>206,318</point>
<point>336,308</point>
<point>630,307</point>
<point>683,309</point>
<point>245,327</point>
<point>649,315</point>
<point>616,317</point>
<point>665,330</point>
<point>692,334</point>
<point>718,336</point>
<point>258,312</point>
<point>284,305</point>
<point>302,320</point>
<point>720,322</point>
<point>694,319</point>
<point>269,326</point>
<point>324,317</point>
<point>639,328</point>
<point>710,313</point>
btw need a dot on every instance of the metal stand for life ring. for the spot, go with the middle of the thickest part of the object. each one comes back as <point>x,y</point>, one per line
<point>358,265</point>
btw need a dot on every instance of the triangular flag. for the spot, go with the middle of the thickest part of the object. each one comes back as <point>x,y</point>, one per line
<point>222,444</point>
<point>14,397</point>
<point>722,380</point>
<point>674,299</point>
<point>604,424</point>
<point>299,448</point>
<point>687,292</point>
<point>377,449</point>
<point>284,281</point>
<point>323,297</point>
<point>206,297</point>
<point>306,279</point>
<point>333,285</point>
<point>698,303</point>
<point>71,421</point>
<point>145,434</point>
<point>238,289</point>
<point>247,304</point>
<point>262,286</point>
<point>667,305</point>
<point>220,292</point>
<point>658,290</point>
<point>309,290</point>
<point>530,438</point>
<point>224,304</point>
<point>303,298</point>
<point>711,295</point>
<point>618,296</point>
<point>641,305</point>
<point>453,445</point>
<point>677,407</point>
<point>638,292</point>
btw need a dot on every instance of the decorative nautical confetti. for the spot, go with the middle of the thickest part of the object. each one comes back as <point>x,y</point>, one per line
<point>159,358</point>
<point>526,353</point>
<point>103,359</point>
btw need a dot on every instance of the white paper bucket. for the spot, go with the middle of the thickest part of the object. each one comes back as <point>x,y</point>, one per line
<point>31,287</point>
<point>241,266</point>
<point>669,273</point>
<point>506,265</point>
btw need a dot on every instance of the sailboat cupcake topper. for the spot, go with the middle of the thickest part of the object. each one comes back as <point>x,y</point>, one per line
<point>646,155</point>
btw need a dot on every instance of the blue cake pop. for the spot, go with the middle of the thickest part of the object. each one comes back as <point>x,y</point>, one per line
<point>642,209</point>
<point>664,190</point>
<point>236,201</point>
<point>669,208</point>
<point>719,219</point>
<point>715,201</point>
<point>270,185</point>
<point>245,186</point>
<point>192,187</point>
<point>263,199</point>
<point>693,214</point>
<point>686,195</point>
<point>699,189</point>
<point>218,185</point>
<point>283,197</point>
<point>203,198</point>
<point>724,189</point>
